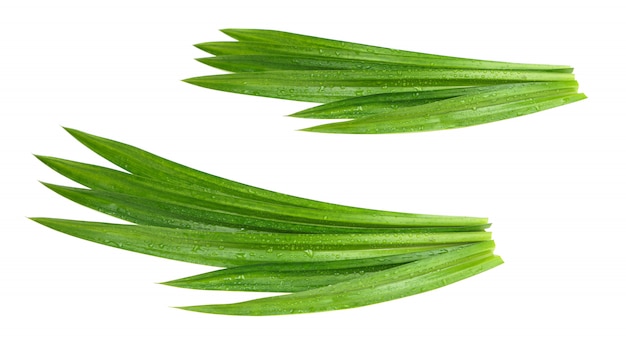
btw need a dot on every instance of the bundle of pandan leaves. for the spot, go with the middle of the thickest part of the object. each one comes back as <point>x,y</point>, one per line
<point>325,256</point>
<point>382,90</point>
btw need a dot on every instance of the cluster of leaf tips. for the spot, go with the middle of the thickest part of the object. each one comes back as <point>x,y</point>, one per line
<point>382,90</point>
<point>324,256</point>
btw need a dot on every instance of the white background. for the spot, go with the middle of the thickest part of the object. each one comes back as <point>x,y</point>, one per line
<point>552,183</point>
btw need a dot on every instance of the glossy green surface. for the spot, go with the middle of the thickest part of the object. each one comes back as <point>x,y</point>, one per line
<point>324,86</point>
<point>334,48</point>
<point>293,277</point>
<point>233,249</point>
<point>156,177</point>
<point>452,119</point>
<point>274,62</point>
<point>267,241</point>
<point>501,102</point>
<point>393,283</point>
<point>380,85</point>
<point>395,105</point>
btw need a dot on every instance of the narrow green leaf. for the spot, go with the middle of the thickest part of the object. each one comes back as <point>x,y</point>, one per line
<point>141,210</point>
<point>220,249</point>
<point>393,283</point>
<point>391,103</point>
<point>517,100</point>
<point>293,277</point>
<point>328,85</point>
<point>142,163</point>
<point>182,199</point>
<point>489,97</point>
<point>264,62</point>
<point>256,56</point>
<point>332,48</point>
<point>450,120</point>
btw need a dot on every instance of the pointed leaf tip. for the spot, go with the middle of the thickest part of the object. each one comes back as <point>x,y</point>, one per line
<point>72,131</point>
<point>187,308</point>
<point>40,157</point>
<point>194,80</point>
<point>230,31</point>
<point>173,283</point>
<point>43,221</point>
<point>319,129</point>
<point>81,136</point>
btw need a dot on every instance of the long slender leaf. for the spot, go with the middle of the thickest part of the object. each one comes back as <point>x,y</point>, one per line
<point>146,211</point>
<point>293,277</point>
<point>141,210</point>
<point>359,51</point>
<point>143,163</point>
<point>223,249</point>
<point>328,85</point>
<point>393,104</point>
<point>153,212</point>
<point>251,56</point>
<point>401,281</point>
<point>510,96</point>
<point>182,199</point>
<point>450,120</point>
<point>180,196</point>
<point>273,62</point>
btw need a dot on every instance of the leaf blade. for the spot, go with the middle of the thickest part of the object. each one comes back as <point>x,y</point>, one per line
<point>328,85</point>
<point>405,280</point>
<point>330,47</point>
<point>216,248</point>
<point>143,163</point>
<point>289,277</point>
